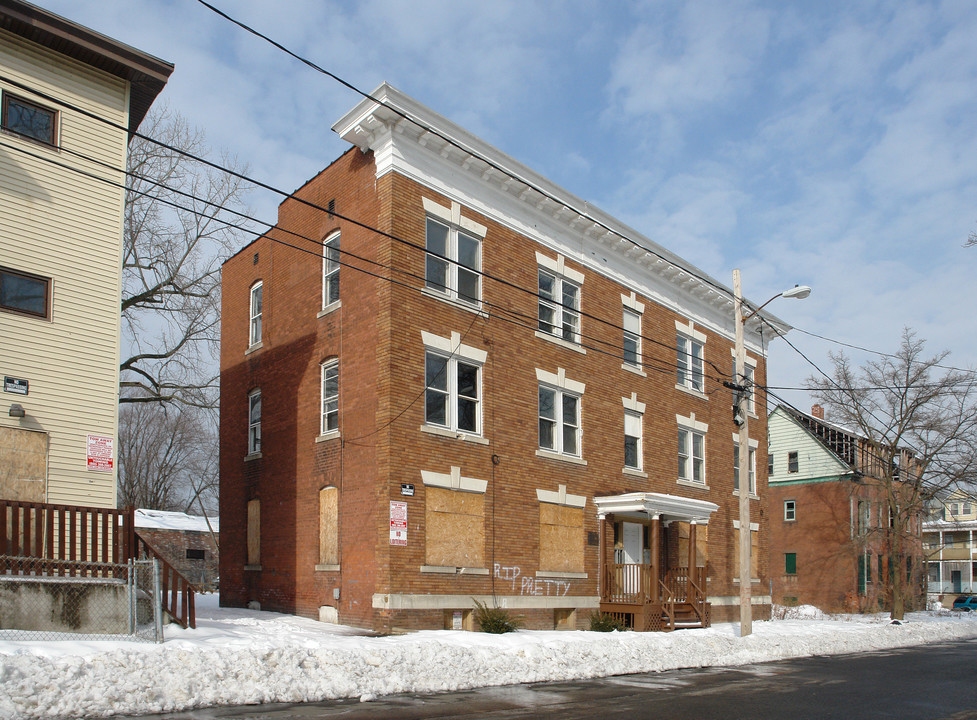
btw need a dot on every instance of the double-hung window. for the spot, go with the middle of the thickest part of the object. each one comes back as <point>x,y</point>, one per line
<point>452,393</point>
<point>330,271</point>
<point>559,306</point>
<point>330,397</point>
<point>23,293</point>
<point>559,421</point>
<point>632,440</point>
<point>736,468</point>
<point>691,456</point>
<point>254,336</point>
<point>790,510</point>
<point>453,262</point>
<point>689,358</point>
<point>632,338</point>
<point>793,464</point>
<point>29,119</point>
<point>254,422</point>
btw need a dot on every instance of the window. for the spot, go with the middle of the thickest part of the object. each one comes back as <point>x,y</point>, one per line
<point>954,508</point>
<point>561,531</point>
<point>691,456</point>
<point>255,334</point>
<point>330,271</point>
<point>455,520</point>
<point>792,465</point>
<point>254,422</point>
<point>790,510</point>
<point>632,338</point>
<point>864,512</point>
<point>690,368</point>
<point>453,262</point>
<point>632,440</point>
<point>23,293</point>
<point>29,119</point>
<point>770,464</point>
<point>736,469</point>
<point>254,533</point>
<point>330,397</point>
<point>559,306</point>
<point>967,508</point>
<point>328,527</point>
<point>451,396</point>
<point>559,421</point>
<point>196,554</point>
<point>790,563</point>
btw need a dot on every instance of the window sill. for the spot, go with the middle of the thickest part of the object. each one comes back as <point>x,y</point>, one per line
<point>252,348</point>
<point>549,455</point>
<point>555,574</point>
<point>452,570</point>
<point>692,483</point>
<point>326,568</point>
<point>28,139</point>
<point>561,342</point>
<point>330,308</point>
<point>330,435</point>
<point>252,456</point>
<point>634,472</point>
<point>690,391</point>
<point>634,369</point>
<point>453,434</point>
<point>454,302</point>
<point>252,568</point>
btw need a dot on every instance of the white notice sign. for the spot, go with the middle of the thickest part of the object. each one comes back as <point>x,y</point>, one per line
<point>100,453</point>
<point>398,523</point>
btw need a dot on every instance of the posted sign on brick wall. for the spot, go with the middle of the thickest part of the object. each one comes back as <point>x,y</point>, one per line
<point>398,523</point>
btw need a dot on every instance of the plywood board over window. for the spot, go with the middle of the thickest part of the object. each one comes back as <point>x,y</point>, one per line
<point>701,544</point>
<point>329,526</point>
<point>455,521</point>
<point>254,532</point>
<point>561,538</point>
<point>23,464</point>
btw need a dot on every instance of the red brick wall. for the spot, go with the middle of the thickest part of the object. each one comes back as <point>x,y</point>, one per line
<point>377,336</point>
<point>173,546</point>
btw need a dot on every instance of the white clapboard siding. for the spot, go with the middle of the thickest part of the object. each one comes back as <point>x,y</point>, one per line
<point>814,459</point>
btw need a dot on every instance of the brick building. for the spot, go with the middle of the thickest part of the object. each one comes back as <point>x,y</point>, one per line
<point>187,542</point>
<point>504,394</point>
<point>830,530</point>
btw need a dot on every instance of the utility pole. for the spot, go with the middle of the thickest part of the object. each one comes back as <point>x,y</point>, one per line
<point>742,398</point>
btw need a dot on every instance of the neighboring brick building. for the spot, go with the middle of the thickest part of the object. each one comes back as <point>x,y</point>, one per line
<point>401,434</point>
<point>186,542</point>
<point>829,530</point>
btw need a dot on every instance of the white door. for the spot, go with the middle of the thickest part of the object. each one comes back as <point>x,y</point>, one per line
<point>633,555</point>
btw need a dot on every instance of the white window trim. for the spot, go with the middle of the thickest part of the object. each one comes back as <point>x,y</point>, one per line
<point>452,350</point>
<point>328,277</point>
<point>634,408</point>
<point>255,338</point>
<point>452,217</point>
<point>562,385</point>
<point>559,309</point>
<point>751,364</point>
<point>560,380</point>
<point>793,509</point>
<point>561,497</point>
<point>754,447</point>
<point>252,450</point>
<point>688,331</point>
<point>453,346</point>
<point>694,426</point>
<point>453,480</point>
<point>558,266</point>
<point>323,368</point>
<point>636,336</point>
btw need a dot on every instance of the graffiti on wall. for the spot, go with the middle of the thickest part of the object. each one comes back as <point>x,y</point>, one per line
<point>525,585</point>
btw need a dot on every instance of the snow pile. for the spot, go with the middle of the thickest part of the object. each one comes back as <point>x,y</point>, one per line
<point>248,656</point>
<point>168,520</point>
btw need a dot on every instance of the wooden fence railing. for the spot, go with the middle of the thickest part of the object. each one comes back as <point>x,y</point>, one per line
<point>178,592</point>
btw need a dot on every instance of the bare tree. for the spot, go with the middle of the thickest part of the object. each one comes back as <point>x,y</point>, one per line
<point>171,265</point>
<point>920,422</point>
<point>167,458</point>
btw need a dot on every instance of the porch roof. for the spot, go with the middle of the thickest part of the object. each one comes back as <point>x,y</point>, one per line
<point>668,507</point>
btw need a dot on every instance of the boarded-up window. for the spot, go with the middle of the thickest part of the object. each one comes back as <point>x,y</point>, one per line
<point>455,523</point>
<point>561,538</point>
<point>754,553</point>
<point>254,532</point>
<point>701,544</point>
<point>23,464</point>
<point>329,526</point>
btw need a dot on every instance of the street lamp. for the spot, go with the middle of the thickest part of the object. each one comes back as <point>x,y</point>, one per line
<point>742,393</point>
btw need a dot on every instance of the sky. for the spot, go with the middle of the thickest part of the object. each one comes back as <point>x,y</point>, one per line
<point>829,144</point>
<point>237,656</point>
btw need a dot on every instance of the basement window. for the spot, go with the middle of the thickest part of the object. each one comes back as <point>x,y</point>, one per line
<point>196,554</point>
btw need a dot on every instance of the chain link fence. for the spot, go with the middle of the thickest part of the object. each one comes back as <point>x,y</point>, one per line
<point>43,599</point>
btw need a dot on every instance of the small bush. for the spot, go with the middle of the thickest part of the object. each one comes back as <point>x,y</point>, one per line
<point>603,622</point>
<point>494,620</point>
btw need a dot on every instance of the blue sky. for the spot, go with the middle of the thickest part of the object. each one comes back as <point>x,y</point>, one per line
<point>832,144</point>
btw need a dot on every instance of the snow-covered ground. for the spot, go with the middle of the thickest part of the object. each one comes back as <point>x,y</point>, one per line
<point>247,656</point>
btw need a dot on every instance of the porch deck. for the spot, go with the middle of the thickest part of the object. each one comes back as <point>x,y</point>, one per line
<point>633,594</point>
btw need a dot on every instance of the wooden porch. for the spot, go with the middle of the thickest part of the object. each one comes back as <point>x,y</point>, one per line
<point>640,600</point>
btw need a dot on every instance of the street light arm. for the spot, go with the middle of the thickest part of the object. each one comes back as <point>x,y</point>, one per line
<point>798,291</point>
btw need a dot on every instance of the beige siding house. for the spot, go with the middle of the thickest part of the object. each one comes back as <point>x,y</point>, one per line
<point>69,99</point>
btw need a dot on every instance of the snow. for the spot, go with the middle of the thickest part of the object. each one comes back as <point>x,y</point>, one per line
<point>166,520</point>
<point>238,656</point>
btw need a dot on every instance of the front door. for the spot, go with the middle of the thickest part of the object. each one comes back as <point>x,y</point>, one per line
<point>633,547</point>
<point>955,580</point>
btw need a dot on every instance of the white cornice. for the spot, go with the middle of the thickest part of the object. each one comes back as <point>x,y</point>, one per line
<point>519,198</point>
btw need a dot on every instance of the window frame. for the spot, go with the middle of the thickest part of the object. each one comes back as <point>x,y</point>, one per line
<point>47,283</point>
<point>254,423</point>
<point>254,318</point>
<point>793,462</point>
<point>770,464</point>
<point>561,312</point>
<point>790,563</point>
<point>9,97</point>
<point>790,510</point>
<point>558,421</point>
<point>688,375</point>
<point>638,440</point>
<point>688,459</point>
<point>450,261</point>
<point>751,470</point>
<point>329,408</point>
<point>634,337</point>
<point>330,269</point>
<point>451,393</point>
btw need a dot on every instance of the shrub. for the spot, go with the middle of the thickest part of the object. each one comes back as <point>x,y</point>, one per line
<point>604,622</point>
<point>494,620</point>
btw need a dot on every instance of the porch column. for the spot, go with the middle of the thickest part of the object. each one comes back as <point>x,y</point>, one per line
<point>602,556</point>
<point>656,533</point>
<point>691,549</point>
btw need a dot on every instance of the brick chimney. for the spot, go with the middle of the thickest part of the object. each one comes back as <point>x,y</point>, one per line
<point>817,411</point>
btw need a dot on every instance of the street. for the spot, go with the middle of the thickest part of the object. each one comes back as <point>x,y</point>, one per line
<point>930,682</point>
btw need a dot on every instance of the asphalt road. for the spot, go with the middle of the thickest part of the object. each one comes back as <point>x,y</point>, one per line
<point>932,682</point>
